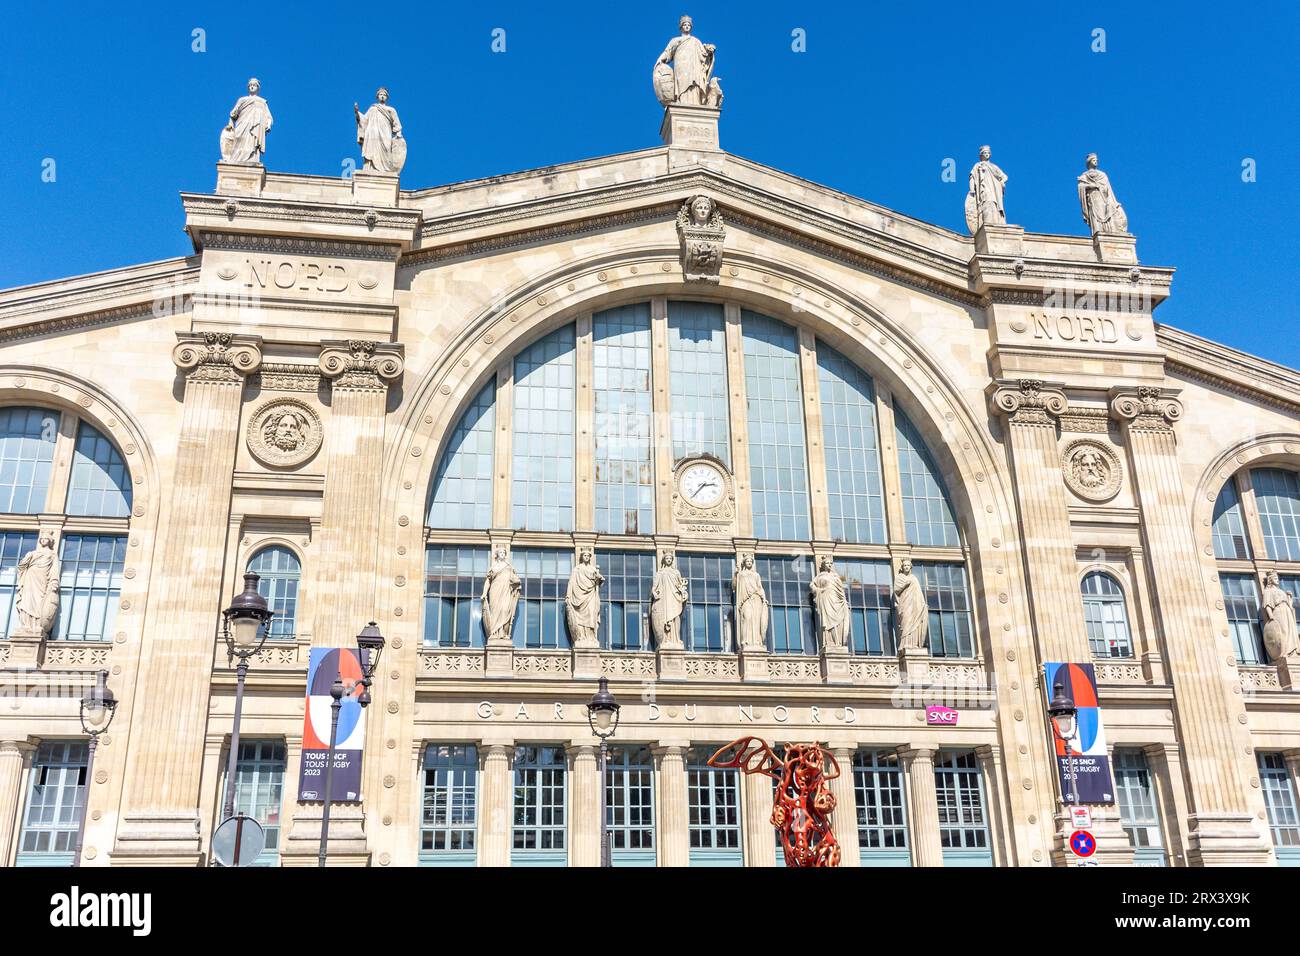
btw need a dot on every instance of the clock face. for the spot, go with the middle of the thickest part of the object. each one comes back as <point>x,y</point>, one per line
<point>701,485</point>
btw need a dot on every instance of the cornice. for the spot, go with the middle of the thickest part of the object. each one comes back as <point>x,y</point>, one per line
<point>781,220</point>
<point>1238,373</point>
<point>298,245</point>
<point>298,210</point>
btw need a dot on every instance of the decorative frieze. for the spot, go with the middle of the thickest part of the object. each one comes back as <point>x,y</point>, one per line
<point>74,655</point>
<point>1119,672</point>
<point>542,664</point>
<point>628,665</point>
<point>288,377</point>
<point>712,667</point>
<point>451,663</point>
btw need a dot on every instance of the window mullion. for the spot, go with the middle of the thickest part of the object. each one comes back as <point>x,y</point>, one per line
<point>1250,515</point>
<point>661,413</point>
<point>818,502</point>
<point>739,419</point>
<point>889,473</point>
<point>502,450</point>
<point>56,497</point>
<point>585,454</point>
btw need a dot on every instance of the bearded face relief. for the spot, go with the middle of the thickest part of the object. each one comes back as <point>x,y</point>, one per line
<point>1091,470</point>
<point>284,433</point>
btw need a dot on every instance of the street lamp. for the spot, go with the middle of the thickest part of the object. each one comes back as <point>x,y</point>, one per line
<point>370,642</point>
<point>1065,719</point>
<point>244,625</point>
<point>97,709</point>
<point>602,715</point>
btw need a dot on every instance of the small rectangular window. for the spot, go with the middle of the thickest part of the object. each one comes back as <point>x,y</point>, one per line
<point>625,603</point>
<point>963,820</point>
<point>539,616</point>
<point>449,815</point>
<point>951,633</point>
<point>882,810</point>
<point>707,626</point>
<point>790,610</point>
<point>1279,800</point>
<point>630,806</point>
<point>713,804</point>
<point>1241,602</point>
<point>56,797</point>
<point>540,807</point>
<point>1136,795</point>
<point>259,790</point>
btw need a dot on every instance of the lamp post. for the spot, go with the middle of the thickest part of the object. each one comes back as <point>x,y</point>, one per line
<point>1065,719</point>
<point>97,709</point>
<point>602,715</point>
<point>370,642</point>
<point>244,625</point>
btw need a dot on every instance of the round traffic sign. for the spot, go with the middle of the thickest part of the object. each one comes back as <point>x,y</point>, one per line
<point>1082,843</point>
<point>238,841</point>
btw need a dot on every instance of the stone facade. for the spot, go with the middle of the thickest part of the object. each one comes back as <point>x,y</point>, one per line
<point>298,378</point>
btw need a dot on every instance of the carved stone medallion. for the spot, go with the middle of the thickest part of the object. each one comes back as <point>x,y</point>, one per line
<point>1092,470</point>
<point>284,432</point>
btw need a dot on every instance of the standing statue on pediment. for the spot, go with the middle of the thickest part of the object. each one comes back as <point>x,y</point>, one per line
<point>683,73</point>
<point>500,598</point>
<point>984,206</point>
<point>379,134</point>
<point>1101,210</point>
<point>1281,638</point>
<point>244,138</point>
<point>37,599</point>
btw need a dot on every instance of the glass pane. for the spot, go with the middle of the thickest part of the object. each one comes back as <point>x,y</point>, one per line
<point>462,489</point>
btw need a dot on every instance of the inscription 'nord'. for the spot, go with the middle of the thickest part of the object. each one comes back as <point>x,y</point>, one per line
<point>291,274</point>
<point>1074,328</point>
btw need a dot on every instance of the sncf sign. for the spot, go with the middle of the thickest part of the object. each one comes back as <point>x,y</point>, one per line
<point>940,715</point>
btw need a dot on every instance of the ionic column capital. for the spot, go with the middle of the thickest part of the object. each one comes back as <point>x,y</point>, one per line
<point>18,748</point>
<point>1029,401</point>
<point>360,364</point>
<point>217,356</point>
<point>1146,407</point>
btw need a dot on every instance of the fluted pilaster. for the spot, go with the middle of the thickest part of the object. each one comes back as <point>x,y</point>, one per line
<point>15,760</point>
<point>1210,712</point>
<point>922,806</point>
<point>584,805</point>
<point>672,831</point>
<point>497,807</point>
<point>161,820</point>
<point>844,821</point>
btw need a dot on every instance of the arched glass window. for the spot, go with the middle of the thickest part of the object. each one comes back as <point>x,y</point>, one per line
<point>541,486</point>
<point>1256,529</point>
<point>1230,539</point>
<point>27,440</point>
<point>100,484</point>
<point>1106,616</point>
<point>778,460</point>
<point>854,491</point>
<point>280,572</point>
<point>462,490</point>
<point>35,445</point>
<point>1277,496</point>
<point>802,461</point>
<point>927,515</point>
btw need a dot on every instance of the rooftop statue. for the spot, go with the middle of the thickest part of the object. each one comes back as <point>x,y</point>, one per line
<point>1101,210</point>
<point>244,138</point>
<point>379,134</point>
<point>984,200</point>
<point>683,73</point>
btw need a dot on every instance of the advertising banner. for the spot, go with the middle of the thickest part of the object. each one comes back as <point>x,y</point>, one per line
<point>326,664</point>
<point>1092,777</point>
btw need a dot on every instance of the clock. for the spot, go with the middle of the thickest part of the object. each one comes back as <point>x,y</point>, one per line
<point>702,484</point>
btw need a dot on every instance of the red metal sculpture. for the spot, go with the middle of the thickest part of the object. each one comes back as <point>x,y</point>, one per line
<point>802,804</point>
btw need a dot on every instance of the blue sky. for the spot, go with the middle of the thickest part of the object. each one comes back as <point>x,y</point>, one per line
<point>883,94</point>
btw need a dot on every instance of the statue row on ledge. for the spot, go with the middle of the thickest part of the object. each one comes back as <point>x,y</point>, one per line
<point>670,593</point>
<point>379,132</point>
<point>1101,210</point>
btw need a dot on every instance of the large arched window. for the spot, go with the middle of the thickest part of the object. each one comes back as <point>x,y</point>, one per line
<point>1256,528</point>
<point>279,574</point>
<point>1106,616</point>
<point>94,507</point>
<point>603,417</point>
